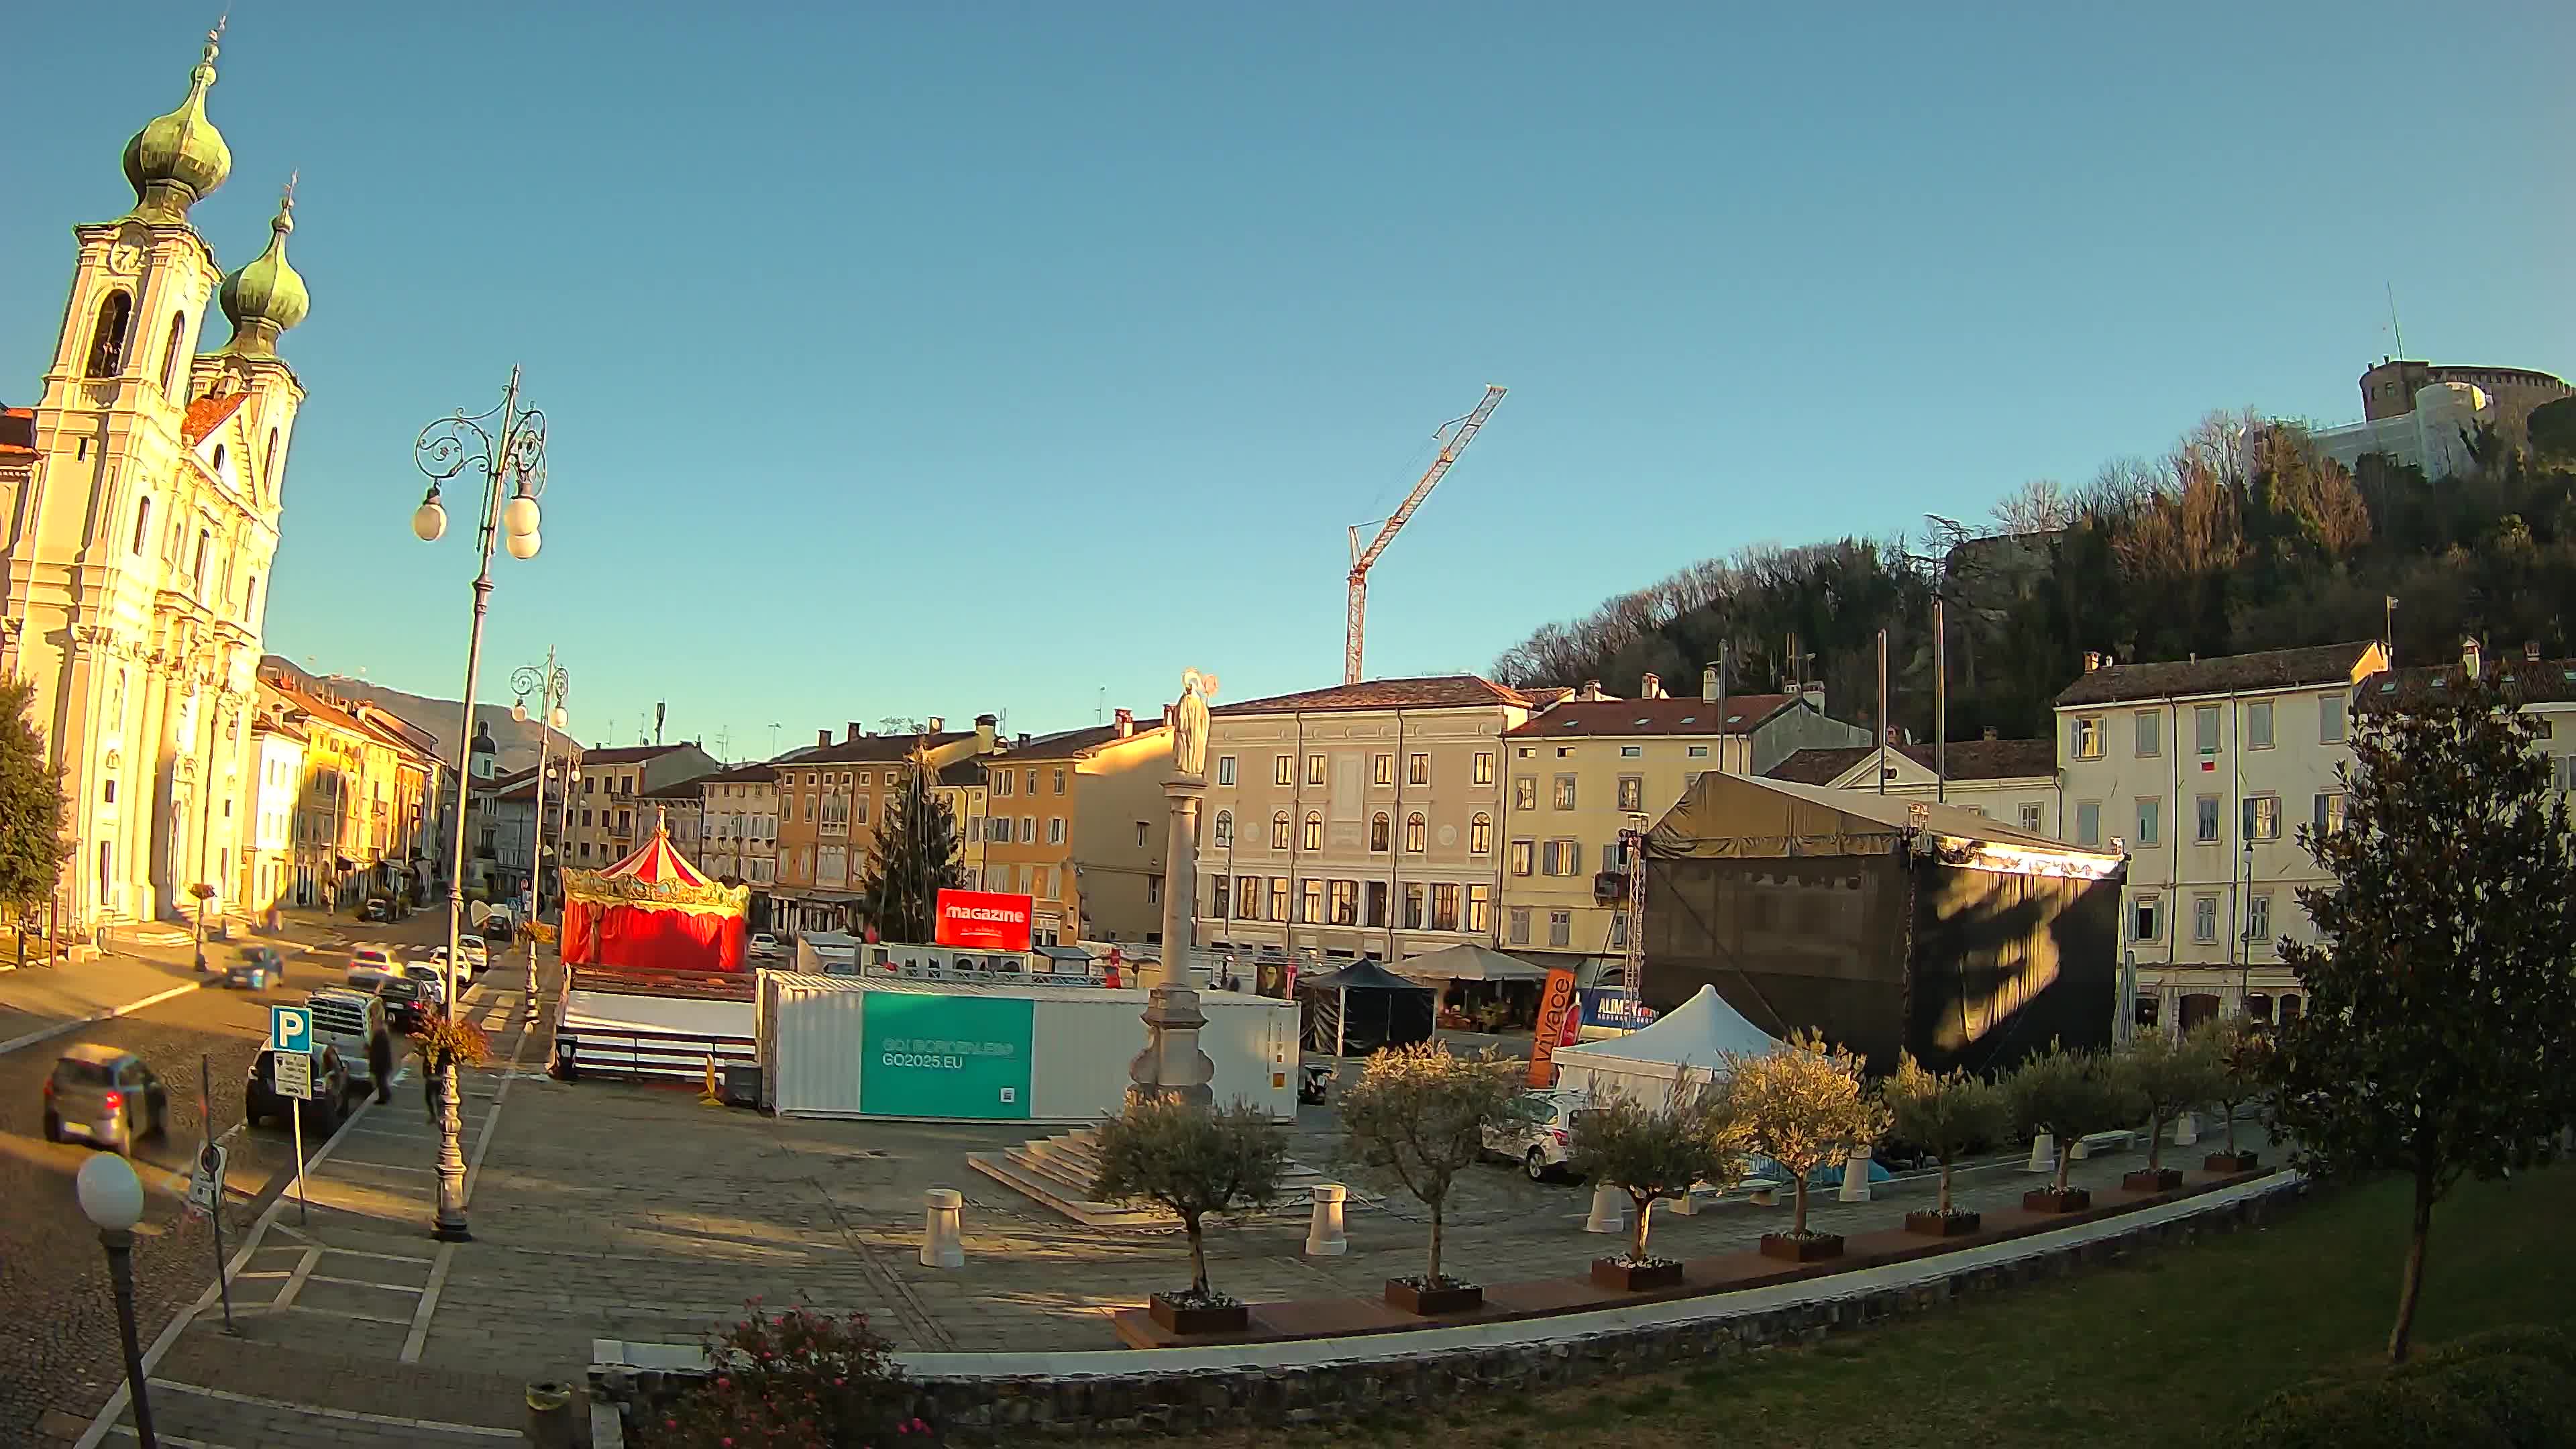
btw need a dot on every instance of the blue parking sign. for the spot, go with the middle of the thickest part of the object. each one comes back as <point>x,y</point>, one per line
<point>290,1029</point>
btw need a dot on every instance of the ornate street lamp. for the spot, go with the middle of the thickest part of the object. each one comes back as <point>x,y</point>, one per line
<point>508,447</point>
<point>549,685</point>
<point>111,1197</point>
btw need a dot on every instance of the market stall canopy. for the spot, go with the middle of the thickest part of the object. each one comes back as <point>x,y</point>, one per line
<point>1693,1039</point>
<point>1363,1008</point>
<point>653,911</point>
<point>1468,961</point>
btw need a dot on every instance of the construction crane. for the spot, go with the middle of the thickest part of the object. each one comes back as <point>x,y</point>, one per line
<point>1459,432</point>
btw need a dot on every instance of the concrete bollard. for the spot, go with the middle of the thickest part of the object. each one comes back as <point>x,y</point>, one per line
<point>2043,1154</point>
<point>1856,1176</point>
<point>550,1416</point>
<point>941,1244</point>
<point>1324,1235</point>
<point>2186,1129</point>
<point>1609,1210</point>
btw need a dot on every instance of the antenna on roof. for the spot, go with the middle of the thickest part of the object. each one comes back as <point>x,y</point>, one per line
<point>2394,329</point>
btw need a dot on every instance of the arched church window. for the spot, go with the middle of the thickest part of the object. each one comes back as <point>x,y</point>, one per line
<point>142,524</point>
<point>107,339</point>
<point>170,354</point>
<point>250,598</point>
<point>268,464</point>
<point>219,460</point>
<point>205,540</point>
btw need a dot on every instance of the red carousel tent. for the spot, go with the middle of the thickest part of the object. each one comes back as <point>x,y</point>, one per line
<point>653,911</point>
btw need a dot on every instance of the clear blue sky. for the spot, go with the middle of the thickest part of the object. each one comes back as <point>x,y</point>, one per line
<point>936,359</point>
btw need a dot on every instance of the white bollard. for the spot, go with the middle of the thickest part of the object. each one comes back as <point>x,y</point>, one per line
<point>1324,1236</point>
<point>2186,1129</point>
<point>1609,1210</point>
<point>2043,1154</point>
<point>1856,1176</point>
<point>941,1243</point>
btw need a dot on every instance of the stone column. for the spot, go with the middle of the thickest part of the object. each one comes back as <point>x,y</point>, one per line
<point>1171,1067</point>
<point>1856,1175</point>
<point>1325,1237</point>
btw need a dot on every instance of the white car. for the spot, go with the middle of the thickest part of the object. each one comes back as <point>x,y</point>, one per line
<point>374,958</point>
<point>477,957</point>
<point>765,947</point>
<point>432,979</point>
<point>1541,1133</point>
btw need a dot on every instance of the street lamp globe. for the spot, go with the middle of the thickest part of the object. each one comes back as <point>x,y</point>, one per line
<point>429,520</point>
<point>557,717</point>
<point>111,1196</point>
<point>523,545</point>
<point>519,710</point>
<point>519,516</point>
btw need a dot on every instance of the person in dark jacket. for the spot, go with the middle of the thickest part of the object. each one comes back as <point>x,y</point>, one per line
<point>380,1061</point>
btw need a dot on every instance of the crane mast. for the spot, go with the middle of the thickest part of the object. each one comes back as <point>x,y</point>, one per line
<point>1460,432</point>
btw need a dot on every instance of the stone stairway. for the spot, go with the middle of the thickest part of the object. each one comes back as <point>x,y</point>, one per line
<point>1058,1172</point>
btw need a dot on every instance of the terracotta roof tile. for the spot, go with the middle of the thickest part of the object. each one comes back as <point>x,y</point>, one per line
<point>1579,718</point>
<point>1969,760</point>
<point>628,754</point>
<point>870,749</point>
<point>1438,691</point>
<point>1068,744</point>
<point>2316,665</point>
<point>207,414</point>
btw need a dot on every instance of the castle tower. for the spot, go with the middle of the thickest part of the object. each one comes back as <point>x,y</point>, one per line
<point>136,567</point>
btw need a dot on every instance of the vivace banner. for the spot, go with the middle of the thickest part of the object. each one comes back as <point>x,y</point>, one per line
<point>982,921</point>
<point>1557,1020</point>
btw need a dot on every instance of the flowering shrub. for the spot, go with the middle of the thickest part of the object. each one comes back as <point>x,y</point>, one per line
<point>459,1040</point>
<point>793,1380</point>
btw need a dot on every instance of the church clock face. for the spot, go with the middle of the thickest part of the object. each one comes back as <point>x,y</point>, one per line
<point>125,259</point>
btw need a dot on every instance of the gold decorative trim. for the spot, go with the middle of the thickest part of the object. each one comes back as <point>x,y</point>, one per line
<point>590,885</point>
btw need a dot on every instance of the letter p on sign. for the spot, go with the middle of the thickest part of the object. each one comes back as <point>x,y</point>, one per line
<point>290,1029</point>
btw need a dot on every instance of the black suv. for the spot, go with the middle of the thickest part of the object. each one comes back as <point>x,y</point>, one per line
<point>260,1097</point>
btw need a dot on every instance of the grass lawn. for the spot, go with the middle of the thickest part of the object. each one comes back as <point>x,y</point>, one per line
<point>2175,1347</point>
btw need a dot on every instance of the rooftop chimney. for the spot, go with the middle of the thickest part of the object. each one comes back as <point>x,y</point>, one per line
<point>1024,737</point>
<point>1126,723</point>
<point>1990,733</point>
<point>822,737</point>
<point>938,724</point>
<point>1591,690</point>
<point>1708,685</point>
<point>1813,691</point>
<point>1650,686</point>
<point>985,726</point>
<point>2470,656</point>
<point>2092,660</point>
<point>2531,651</point>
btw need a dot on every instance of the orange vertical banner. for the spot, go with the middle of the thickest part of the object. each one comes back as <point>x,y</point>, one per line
<point>1555,1013</point>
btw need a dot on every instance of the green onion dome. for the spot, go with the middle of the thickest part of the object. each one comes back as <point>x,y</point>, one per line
<point>177,159</point>
<point>266,297</point>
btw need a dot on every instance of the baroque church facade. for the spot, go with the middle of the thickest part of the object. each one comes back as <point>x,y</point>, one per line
<point>139,541</point>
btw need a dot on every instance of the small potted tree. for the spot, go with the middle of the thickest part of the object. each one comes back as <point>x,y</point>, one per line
<point>1803,1105</point>
<point>2236,1056</point>
<point>2168,1075</point>
<point>2066,1095</point>
<point>1945,1114</point>
<point>1418,1116</point>
<point>1193,1162</point>
<point>1652,1152</point>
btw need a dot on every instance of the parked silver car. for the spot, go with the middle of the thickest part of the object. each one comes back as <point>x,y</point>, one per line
<point>105,1095</point>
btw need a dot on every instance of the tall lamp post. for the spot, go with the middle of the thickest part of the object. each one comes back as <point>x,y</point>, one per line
<point>111,1197</point>
<point>508,447</point>
<point>549,686</point>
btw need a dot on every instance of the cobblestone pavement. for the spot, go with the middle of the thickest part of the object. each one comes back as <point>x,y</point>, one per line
<point>346,1271</point>
<point>53,1278</point>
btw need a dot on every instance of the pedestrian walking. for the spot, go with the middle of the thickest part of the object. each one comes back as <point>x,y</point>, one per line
<point>380,1062</point>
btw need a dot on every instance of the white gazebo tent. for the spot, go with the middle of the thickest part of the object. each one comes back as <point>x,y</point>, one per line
<point>1693,1040</point>
<point>1468,961</point>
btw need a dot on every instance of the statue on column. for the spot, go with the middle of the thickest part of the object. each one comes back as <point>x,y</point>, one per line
<point>1172,1067</point>
<point>1190,724</point>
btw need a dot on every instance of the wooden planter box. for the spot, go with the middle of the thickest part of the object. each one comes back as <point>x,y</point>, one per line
<point>2050,1200</point>
<point>2231,1162</point>
<point>2152,1179</point>
<point>1232,1318</point>
<point>1814,1248</point>
<point>1432,1302</point>
<point>1619,1278</point>
<point>1938,1225</point>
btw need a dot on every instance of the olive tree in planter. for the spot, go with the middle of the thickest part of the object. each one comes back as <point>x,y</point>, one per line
<point>2168,1074</point>
<point>2236,1056</point>
<point>1192,1161</point>
<point>2068,1095</point>
<point>1945,1114</point>
<point>1652,1152</point>
<point>1804,1105</point>
<point>1418,1116</point>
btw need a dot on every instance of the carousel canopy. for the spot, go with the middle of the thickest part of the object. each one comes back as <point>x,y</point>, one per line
<point>656,874</point>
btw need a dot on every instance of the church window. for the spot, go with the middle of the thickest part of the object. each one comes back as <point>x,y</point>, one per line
<point>142,524</point>
<point>268,464</point>
<point>250,598</point>
<point>170,354</point>
<point>107,340</point>
<point>205,538</point>
<point>219,459</point>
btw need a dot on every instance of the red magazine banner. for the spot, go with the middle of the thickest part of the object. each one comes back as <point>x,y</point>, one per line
<point>983,921</point>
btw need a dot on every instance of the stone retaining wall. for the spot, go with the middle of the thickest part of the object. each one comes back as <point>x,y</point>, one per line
<point>1381,1375</point>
